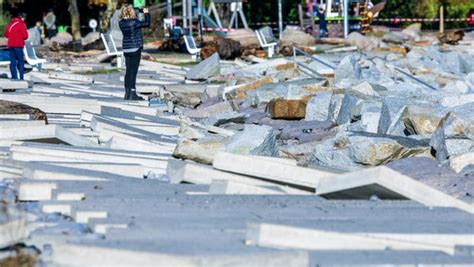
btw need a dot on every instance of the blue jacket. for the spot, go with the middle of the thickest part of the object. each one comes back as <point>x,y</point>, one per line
<point>132,32</point>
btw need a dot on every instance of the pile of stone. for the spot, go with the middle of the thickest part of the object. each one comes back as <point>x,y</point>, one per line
<point>237,163</point>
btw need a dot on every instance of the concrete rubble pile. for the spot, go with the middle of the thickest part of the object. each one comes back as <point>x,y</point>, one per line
<point>348,158</point>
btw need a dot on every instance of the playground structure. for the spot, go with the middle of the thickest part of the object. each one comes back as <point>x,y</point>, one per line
<point>358,16</point>
<point>196,17</point>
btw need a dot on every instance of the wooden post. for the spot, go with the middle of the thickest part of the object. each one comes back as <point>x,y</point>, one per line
<point>441,18</point>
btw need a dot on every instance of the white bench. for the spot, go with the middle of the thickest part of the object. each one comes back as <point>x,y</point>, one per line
<point>31,58</point>
<point>111,48</point>
<point>191,47</point>
<point>267,41</point>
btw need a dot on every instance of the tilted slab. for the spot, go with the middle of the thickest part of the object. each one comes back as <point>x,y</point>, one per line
<point>385,183</point>
<point>4,124</point>
<point>46,133</point>
<point>269,169</point>
<point>62,105</point>
<point>194,173</point>
<point>152,162</point>
<point>287,237</point>
<point>115,140</point>
<point>71,77</point>
<point>13,85</point>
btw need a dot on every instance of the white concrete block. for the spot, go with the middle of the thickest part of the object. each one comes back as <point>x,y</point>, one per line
<point>269,169</point>
<point>71,77</point>
<point>287,237</point>
<point>392,181</point>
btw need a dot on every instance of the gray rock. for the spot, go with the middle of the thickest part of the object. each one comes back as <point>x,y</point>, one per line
<point>456,63</point>
<point>392,110</point>
<point>205,112</point>
<point>350,108</point>
<point>317,108</point>
<point>395,37</point>
<point>202,150</point>
<point>361,41</point>
<point>454,136</point>
<point>254,140</point>
<point>367,114</point>
<point>335,106</point>
<point>204,70</point>
<point>369,89</point>
<point>352,151</point>
<point>226,117</point>
<point>457,87</point>
<point>348,72</point>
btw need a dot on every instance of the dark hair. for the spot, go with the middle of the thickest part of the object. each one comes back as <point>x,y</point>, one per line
<point>22,15</point>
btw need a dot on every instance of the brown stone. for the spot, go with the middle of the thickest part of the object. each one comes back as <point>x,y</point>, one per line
<point>287,109</point>
<point>10,108</point>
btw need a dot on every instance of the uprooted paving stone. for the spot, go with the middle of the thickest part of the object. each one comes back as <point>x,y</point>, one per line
<point>205,69</point>
<point>351,151</point>
<point>254,140</point>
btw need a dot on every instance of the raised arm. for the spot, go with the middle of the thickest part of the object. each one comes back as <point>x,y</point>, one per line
<point>147,22</point>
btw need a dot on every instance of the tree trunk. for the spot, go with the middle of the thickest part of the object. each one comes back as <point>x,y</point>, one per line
<point>105,21</point>
<point>75,20</point>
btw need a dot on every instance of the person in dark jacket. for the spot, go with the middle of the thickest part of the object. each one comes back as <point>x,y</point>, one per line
<point>323,27</point>
<point>132,46</point>
<point>16,33</point>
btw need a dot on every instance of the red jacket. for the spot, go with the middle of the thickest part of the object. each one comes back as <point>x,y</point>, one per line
<point>16,33</point>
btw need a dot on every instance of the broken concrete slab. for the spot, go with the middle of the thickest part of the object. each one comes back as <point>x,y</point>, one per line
<point>268,169</point>
<point>71,77</point>
<point>253,140</point>
<point>281,236</point>
<point>352,151</point>
<point>46,134</point>
<point>348,72</point>
<point>385,183</point>
<point>205,69</point>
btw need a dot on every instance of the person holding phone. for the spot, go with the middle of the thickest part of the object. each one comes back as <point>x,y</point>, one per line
<point>132,46</point>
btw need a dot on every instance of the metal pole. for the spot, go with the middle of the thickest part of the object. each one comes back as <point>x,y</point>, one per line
<point>280,18</point>
<point>200,12</point>
<point>346,18</point>
<point>190,14</point>
<point>169,7</point>
<point>441,18</point>
<point>185,19</point>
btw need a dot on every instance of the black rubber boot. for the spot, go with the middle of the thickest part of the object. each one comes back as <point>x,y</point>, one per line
<point>134,96</point>
<point>128,93</point>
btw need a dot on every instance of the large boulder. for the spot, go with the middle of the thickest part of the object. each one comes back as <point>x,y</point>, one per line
<point>292,36</point>
<point>254,140</point>
<point>361,41</point>
<point>351,151</point>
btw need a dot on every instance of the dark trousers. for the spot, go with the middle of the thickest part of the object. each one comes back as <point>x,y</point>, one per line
<point>132,62</point>
<point>17,62</point>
